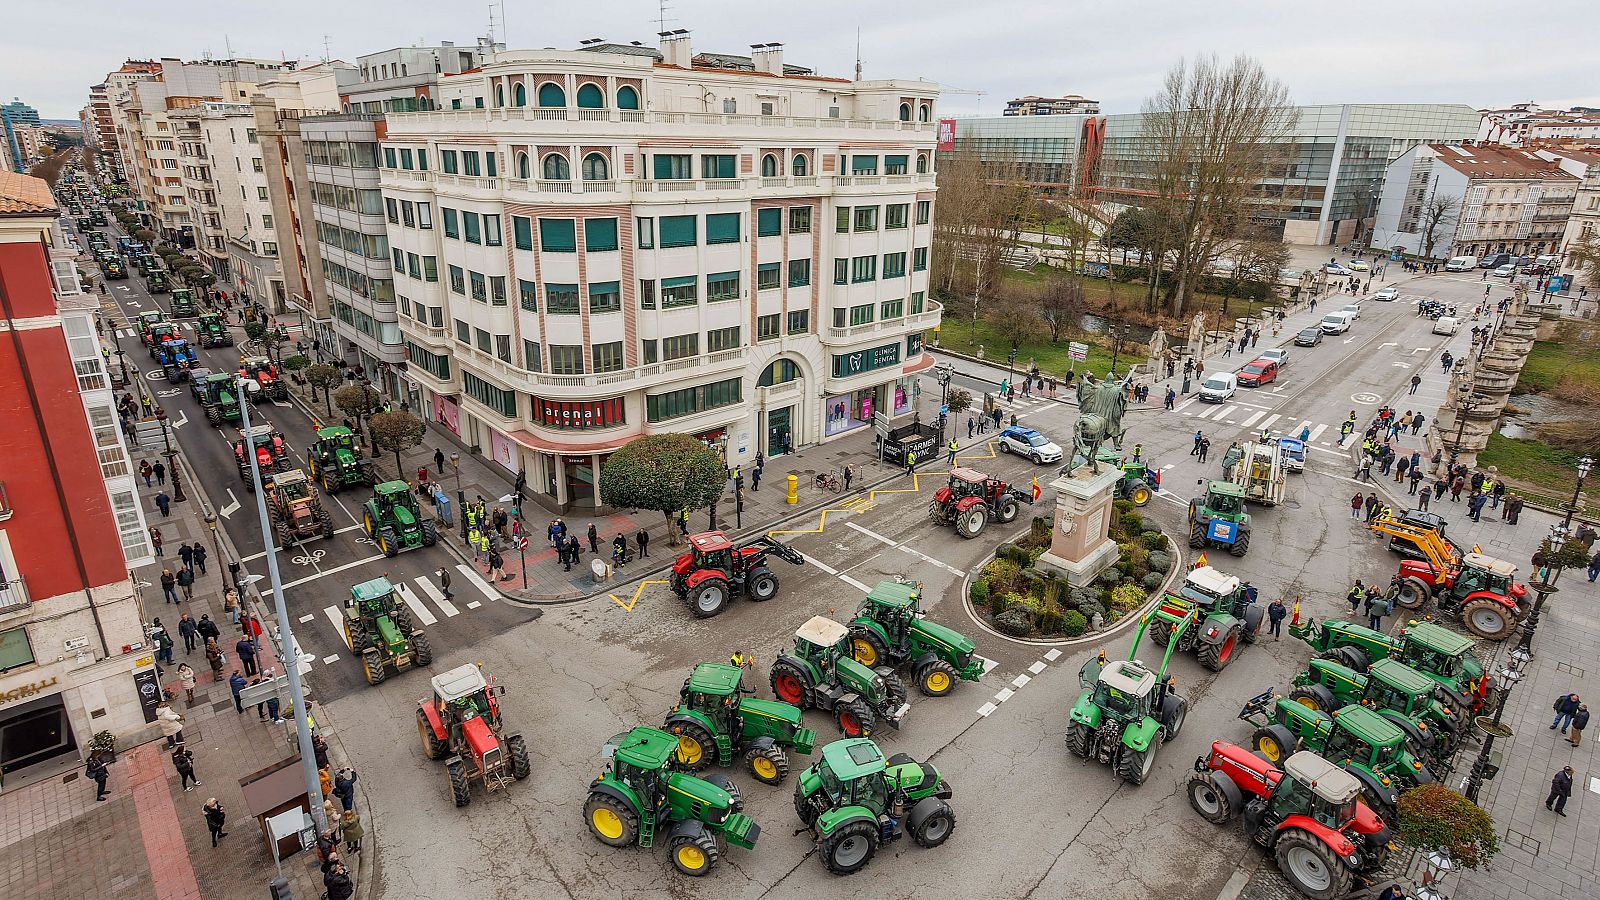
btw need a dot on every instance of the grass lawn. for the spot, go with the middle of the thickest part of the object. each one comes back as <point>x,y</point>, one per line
<point>1569,353</point>
<point>1551,471</point>
<point>1105,295</point>
<point>957,333</point>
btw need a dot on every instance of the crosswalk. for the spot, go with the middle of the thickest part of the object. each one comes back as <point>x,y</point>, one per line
<point>183,325</point>
<point>423,597</point>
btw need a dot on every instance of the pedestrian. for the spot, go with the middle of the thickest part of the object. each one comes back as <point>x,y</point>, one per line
<point>1357,595</point>
<point>1416,423</point>
<point>971,423</point>
<point>1458,485</point>
<point>1373,505</point>
<point>911,462</point>
<point>438,461</point>
<point>186,553</point>
<point>216,817</point>
<point>319,750</point>
<point>170,722</point>
<point>350,829</point>
<point>444,582</point>
<point>1205,447</point>
<point>185,578</point>
<point>206,628</point>
<point>186,678</point>
<point>1475,506</point>
<point>95,768</point>
<point>1416,382</point>
<point>1594,566</point>
<point>163,503</point>
<point>951,460</point>
<point>1401,467</point>
<point>337,881</point>
<point>497,566</point>
<point>1276,612</point>
<point>1356,502</point>
<point>236,684</point>
<point>1195,450</point>
<point>1172,398</point>
<point>849,473</point>
<point>161,473</point>
<point>619,551</point>
<point>189,633</point>
<point>594,538</point>
<point>1377,606</point>
<point>246,649</point>
<point>643,539</point>
<point>169,586</point>
<point>344,787</point>
<point>272,709</point>
<point>1514,507</point>
<point>183,761</point>
<point>755,477</point>
<point>573,550</point>
<point>1565,706</point>
<point>215,658</point>
<point>146,473</point>
<point>200,557</point>
<point>1560,790</point>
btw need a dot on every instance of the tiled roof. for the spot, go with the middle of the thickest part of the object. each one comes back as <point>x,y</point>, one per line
<point>1496,161</point>
<point>24,195</point>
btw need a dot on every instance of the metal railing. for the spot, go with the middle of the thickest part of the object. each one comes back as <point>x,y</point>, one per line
<point>13,593</point>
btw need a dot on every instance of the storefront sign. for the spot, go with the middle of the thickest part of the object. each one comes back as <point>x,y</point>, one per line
<point>148,686</point>
<point>914,345</point>
<point>847,364</point>
<point>579,413</point>
<point>23,692</point>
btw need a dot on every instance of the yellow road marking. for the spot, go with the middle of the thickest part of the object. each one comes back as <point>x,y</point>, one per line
<point>636,594</point>
<point>869,501</point>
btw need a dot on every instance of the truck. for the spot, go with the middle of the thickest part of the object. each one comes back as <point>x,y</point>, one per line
<point>1259,472</point>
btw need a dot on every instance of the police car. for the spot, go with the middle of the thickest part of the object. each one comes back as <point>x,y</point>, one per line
<point>1029,443</point>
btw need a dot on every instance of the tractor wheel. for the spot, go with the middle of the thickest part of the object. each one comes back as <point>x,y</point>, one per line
<point>855,718</point>
<point>1080,739</point>
<point>359,642</point>
<point>1309,865</point>
<point>1274,742</point>
<point>762,585</point>
<point>369,525</point>
<point>329,483</point>
<point>432,747</point>
<point>697,749</point>
<point>430,534</point>
<point>1315,697</point>
<point>1217,656</point>
<point>694,854</point>
<point>327,528</point>
<point>1413,593</point>
<point>402,621</point>
<point>1140,495</point>
<point>1197,536</point>
<point>971,523</point>
<point>612,821</point>
<point>1208,800</point>
<point>388,542</point>
<point>792,685</point>
<point>867,648</point>
<point>376,672</point>
<point>520,766</point>
<point>460,787</point>
<point>848,850</point>
<point>421,649</point>
<point>214,415</point>
<point>1353,658</point>
<point>1488,618</point>
<point>934,824</point>
<point>708,598</point>
<point>1174,712</point>
<point>937,678</point>
<point>894,690</point>
<point>768,765</point>
<point>735,799</point>
<point>1134,765</point>
<point>1241,546</point>
<point>1006,511</point>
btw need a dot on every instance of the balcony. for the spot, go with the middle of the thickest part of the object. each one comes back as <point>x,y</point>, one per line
<point>921,321</point>
<point>557,387</point>
<point>400,122</point>
<point>13,594</point>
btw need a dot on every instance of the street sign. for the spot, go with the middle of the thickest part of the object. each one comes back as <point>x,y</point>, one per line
<point>522,542</point>
<point>1077,351</point>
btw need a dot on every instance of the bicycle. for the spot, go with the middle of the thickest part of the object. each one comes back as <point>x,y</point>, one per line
<point>827,481</point>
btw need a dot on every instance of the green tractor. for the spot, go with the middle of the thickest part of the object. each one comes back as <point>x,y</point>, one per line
<point>1364,743</point>
<point>890,629</point>
<point>1433,650</point>
<point>393,521</point>
<point>639,795</point>
<point>335,460</point>
<point>820,673</point>
<point>155,281</point>
<point>1125,707</point>
<point>1218,519</point>
<point>210,330</point>
<point>381,632</point>
<point>1415,703</point>
<point>1225,609</point>
<point>853,801</point>
<point>219,394</point>
<point>715,724</point>
<point>183,304</point>
<point>1140,480</point>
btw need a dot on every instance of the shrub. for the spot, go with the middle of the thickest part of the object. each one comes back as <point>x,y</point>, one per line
<point>1111,577</point>
<point>1123,507</point>
<point>1159,561</point>
<point>1016,554</point>
<point>1034,553</point>
<point>1128,597</point>
<point>1053,591</point>
<point>1073,623</point>
<point>1004,575</point>
<point>1434,817</point>
<point>1153,580</point>
<point>1016,621</point>
<point>1090,606</point>
<point>1132,523</point>
<point>1050,617</point>
<point>979,591</point>
<point>1133,556</point>
<point>1154,540</point>
<point>1039,529</point>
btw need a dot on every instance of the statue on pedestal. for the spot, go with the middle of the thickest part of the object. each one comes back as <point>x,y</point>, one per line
<point>1100,407</point>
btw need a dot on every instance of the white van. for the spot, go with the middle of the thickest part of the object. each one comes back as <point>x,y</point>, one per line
<point>1446,325</point>
<point>1337,323</point>
<point>1218,387</point>
<point>1461,264</point>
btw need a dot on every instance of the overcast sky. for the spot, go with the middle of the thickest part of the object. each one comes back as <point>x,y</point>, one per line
<point>1422,51</point>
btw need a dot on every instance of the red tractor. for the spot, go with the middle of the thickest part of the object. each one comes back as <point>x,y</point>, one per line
<point>714,571</point>
<point>1480,589</point>
<point>264,373</point>
<point>972,498</point>
<point>461,725</point>
<point>1308,814</point>
<point>272,453</point>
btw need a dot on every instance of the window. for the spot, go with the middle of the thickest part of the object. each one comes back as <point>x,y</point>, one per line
<point>389,158</point>
<point>595,168</point>
<point>730,105</point>
<point>551,94</point>
<point>499,95</point>
<point>895,165</point>
<point>627,98</point>
<point>769,276</point>
<point>471,226</point>
<point>866,218</point>
<point>527,295</point>
<point>924,211</point>
<point>895,215</point>
<point>261,193</point>
<point>769,222</point>
<point>408,213</point>
<point>480,287</point>
<point>799,272</point>
<point>841,220</point>
<point>558,235</point>
<point>498,399</point>
<point>407,159</point>
<point>673,404</point>
<point>916,302</point>
<point>646,231</point>
<point>14,649</point>
<point>799,167</point>
<point>894,265</point>
<point>491,230</point>
<point>463,332</point>
<point>531,357</point>
<point>718,165</point>
<point>447,161</point>
<point>767,326</point>
<point>452,228</point>
<point>919,259</point>
<point>769,166</point>
<point>434,364</point>
<point>863,165</point>
<point>430,268</point>
<point>522,232</point>
<point>566,359</point>
<point>863,268</point>
<point>555,168</point>
<point>672,167</point>
<point>519,94</point>
<point>458,280</point>
<point>413,265</point>
<point>599,235</point>
<point>648,352</point>
<point>678,231</point>
<point>861,315</point>
<point>590,97</point>
<point>722,339</point>
<point>891,309</point>
<point>424,215</point>
<point>722,228</point>
<point>266,221</point>
<point>469,163</point>
<point>392,210</point>
<point>607,357</point>
<point>497,292</point>
<point>922,163</point>
<point>841,271</point>
<point>905,112</point>
<point>647,293</point>
<point>561,299</point>
<point>799,321</point>
<point>399,259</point>
<point>722,286</point>
<point>502,352</point>
<point>681,346</point>
<point>605,296</point>
<point>680,291</point>
<point>524,168</point>
<point>799,220</point>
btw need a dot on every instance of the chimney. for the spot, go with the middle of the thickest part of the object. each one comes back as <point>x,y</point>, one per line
<point>767,58</point>
<point>675,49</point>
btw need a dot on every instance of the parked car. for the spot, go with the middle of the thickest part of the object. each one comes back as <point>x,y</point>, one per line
<point>1279,355</point>
<point>1336,323</point>
<point>1494,260</point>
<point>1336,269</point>
<point>1446,325</point>
<point>1505,271</point>
<point>1461,264</point>
<point>1218,387</point>
<point>1386,295</point>
<point>1354,309</point>
<point>1357,265</point>
<point>1308,337</point>
<point>1029,443</point>
<point>1258,372</point>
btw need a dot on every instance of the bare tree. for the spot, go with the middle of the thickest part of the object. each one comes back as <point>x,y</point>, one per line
<point>1585,257</point>
<point>1438,208</point>
<point>1214,132</point>
<point>1257,261</point>
<point>1015,315</point>
<point>1060,303</point>
<point>982,206</point>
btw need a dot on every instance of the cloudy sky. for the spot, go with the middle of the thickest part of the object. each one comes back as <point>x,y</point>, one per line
<point>1465,51</point>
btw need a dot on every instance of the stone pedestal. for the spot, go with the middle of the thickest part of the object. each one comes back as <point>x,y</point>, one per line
<point>1080,549</point>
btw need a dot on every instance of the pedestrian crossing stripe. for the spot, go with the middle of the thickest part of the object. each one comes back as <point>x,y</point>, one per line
<point>437,596</point>
<point>407,596</point>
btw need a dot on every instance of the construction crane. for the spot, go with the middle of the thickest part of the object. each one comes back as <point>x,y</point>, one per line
<point>978,110</point>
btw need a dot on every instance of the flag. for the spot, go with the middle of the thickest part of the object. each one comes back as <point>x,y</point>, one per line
<point>1295,622</point>
<point>1036,491</point>
<point>1201,560</point>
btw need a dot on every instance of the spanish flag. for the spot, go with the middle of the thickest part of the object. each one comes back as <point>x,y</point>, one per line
<point>1296,620</point>
<point>1036,491</point>
<point>1200,560</point>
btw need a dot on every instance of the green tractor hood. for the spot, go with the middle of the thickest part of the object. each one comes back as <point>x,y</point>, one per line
<point>954,642</point>
<point>391,635</point>
<point>777,720</point>
<point>689,797</point>
<point>404,518</point>
<point>859,678</point>
<point>344,458</point>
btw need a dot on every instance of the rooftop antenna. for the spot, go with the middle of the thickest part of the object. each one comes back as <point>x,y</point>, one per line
<point>662,18</point>
<point>502,20</point>
<point>858,53</point>
<point>327,53</point>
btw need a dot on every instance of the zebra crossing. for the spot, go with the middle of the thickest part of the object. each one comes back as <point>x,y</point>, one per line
<point>424,598</point>
<point>1245,415</point>
<point>183,325</point>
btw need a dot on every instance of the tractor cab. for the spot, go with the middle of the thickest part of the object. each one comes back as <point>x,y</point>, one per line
<point>147,320</point>
<point>1224,499</point>
<point>708,550</point>
<point>392,497</point>
<point>964,482</point>
<point>821,640</point>
<point>1364,737</point>
<point>336,438</point>
<point>713,690</point>
<point>1393,685</point>
<point>852,773</point>
<point>895,606</point>
<point>372,598</point>
<point>1485,573</point>
<point>1314,787</point>
<point>1216,592</point>
<point>463,694</point>
<point>638,760</point>
<point>270,448</point>
<point>1438,650</point>
<point>291,485</point>
<point>1124,688</point>
<point>183,302</point>
<point>160,333</point>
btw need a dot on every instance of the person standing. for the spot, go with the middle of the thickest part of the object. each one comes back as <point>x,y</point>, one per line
<point>594,539</point>
<point>849,473</point>
<point>1514,508</point>
<point>951,458</point>
<point>246,649</point>
<point>216,817</point>
<point>170,722</point>
<point>1580,719</point>
<point>169,586</point>
<point>236,684</point>
<point>1358,594</point>
<point>344,787</point>
<point>186,553</point>
<point>164,503</point>
<point>350,828</point>
<point>573,550</point>
<point>1377,606</point>
<point>185,578</point>
<point>1566,706</point>
<point>97,772</point>
<point>438,461</point>
<point>444,582</point>
<point>1594,565</point>
<point>161,474</point>
<point>186,678</point>
<point>1423,499</point>
<point>1560,791</point>
<point>497,565</point>
<point>643,538</point>
<point>189,633</point>
<point>1356,503</point>
<point>1205,448</point>
<point>1276,612</point>
<point>183,762</point>
<point>147,474</point>
<point>206,628</point>
<point>755,477</point>
<point>911,462</point>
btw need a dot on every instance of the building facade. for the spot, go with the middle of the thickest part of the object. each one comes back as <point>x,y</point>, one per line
<point>1070,105</point>
<point>588,246</point>
<point>1530,125</point>
<point>1583,223</point>
<point>13,115</point>
<point>104,99</point>
<point>73,660</point>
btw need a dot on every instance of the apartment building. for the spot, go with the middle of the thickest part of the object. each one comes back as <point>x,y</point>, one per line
<point>104,99</point>
<point>1583,223</point>
<point>73,660</point>
<point>587,246</point>
<point>1071,104</point>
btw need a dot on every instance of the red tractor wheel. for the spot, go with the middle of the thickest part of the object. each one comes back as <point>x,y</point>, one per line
<point>1488,618</point>
<point>1413,593</point>
<point>855,719</point>
<point>971,523</point>
<point>1311,865</point>
<point>792,685</point>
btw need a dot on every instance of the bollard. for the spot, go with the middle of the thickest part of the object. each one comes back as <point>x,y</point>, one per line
<point>794,490</point>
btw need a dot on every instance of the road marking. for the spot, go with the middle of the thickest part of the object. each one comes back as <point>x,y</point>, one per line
<point>330,660</point>
<point>1052,655</point>
<point>820,564</point>
<point>865,589</point>
<point>306,618</point>
<point>231,507</point>
<point>477,580</point>
<point>1206,413</point>
<point>349,565</point>
<point>474,605</point>
<point>437,596</point>
<point>1267,423</point>
<point>1021,681</point>
<point>633,601</point>
<point>988,664</point>
<point>1004,695</point>
<point>1037,667</point>
<point>872,534</point>
<point>1227,411</point>
<point>1315,432</point>
<point>986,709</point>
<point>1248,421</point>
<point>931,561</point>
<point>337,618</point>
<point>837,574</point>
<point>415,605</point>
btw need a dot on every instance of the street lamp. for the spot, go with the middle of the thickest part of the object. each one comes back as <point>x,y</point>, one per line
<point>1436,867</point>
<point>1464,407</point>
<point>1585,466</point>
<point>1504,678</point>
<point>122,363</point>
<point>171,455</point>
<point>461,499</point>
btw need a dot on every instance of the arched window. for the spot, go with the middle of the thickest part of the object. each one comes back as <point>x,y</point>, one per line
<point>905,112</point>
<point>769,166</point>
<point>556,168</point>
<point>924,113</point>
<point>780,371</point>
<point>551,94</point>
<point>524,168</point>
<point>627,98</point>
<point>590,97</point>
<point>499,95</point>
<point>922,163</point>
<point>519,94</point>
<point>595,168</point>
<point>799,166</point>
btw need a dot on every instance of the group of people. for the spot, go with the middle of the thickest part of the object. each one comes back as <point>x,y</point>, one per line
<point>569,550</point>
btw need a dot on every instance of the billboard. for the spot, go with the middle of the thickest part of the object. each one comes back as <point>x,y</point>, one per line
<point>947,135</point>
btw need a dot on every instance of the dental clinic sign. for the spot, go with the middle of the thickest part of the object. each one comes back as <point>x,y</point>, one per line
<point>846,365</point>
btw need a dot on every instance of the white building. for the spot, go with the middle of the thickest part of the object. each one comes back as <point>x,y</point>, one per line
<point>1583,225</point>
<point>1528,125</point>
<point>593,245</point>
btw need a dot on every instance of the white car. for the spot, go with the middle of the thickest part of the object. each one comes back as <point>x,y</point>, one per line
<point>1505,271</point>
<point>1386,295</point>
<point>1336,269</point>
<point>1279,355</point>
<point>1354,309</point>
<point>1446,325</point>
<point>1027,442</point>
